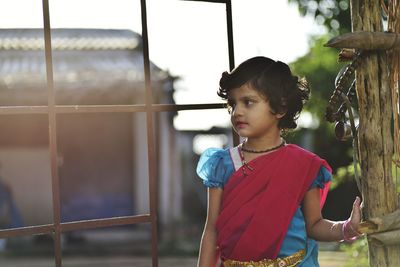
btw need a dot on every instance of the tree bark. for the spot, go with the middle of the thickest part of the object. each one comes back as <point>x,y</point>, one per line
<point>375,139</point>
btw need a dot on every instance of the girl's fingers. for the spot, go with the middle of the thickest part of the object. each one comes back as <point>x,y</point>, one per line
<point>357,201</point>
<point>356,212</point>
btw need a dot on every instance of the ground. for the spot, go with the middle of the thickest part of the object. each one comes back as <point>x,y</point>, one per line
<point>327,259</point>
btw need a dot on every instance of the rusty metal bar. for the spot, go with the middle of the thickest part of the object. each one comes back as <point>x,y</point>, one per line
<point>29,230</point>
<point>13,110</point>
<point>229,26</point>
<point>231,51</point>
<point>101,223</point>
<point>172,107</point>
<point>52,134</point>
<point>210,1</point>
<point>76,225</point>
<point>150,139</point>
<point>134,108</point>
<point>64,109</point>
<point>100,108</point>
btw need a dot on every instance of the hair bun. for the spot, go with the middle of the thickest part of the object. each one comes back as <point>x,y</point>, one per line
<point>224,78</point>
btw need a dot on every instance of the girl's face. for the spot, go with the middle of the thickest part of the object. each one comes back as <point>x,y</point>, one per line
<point>251,114</point>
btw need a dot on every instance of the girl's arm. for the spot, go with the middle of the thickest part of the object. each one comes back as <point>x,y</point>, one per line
<point>208,255</point>
<point>321,229</point>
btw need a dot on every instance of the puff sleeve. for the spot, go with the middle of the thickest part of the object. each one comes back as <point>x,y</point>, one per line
<point>323,177</point>
<point>215,167</point>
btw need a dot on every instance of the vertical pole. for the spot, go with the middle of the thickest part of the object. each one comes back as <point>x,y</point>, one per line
<point>231,51</point>
<point>150,139</point>
<point>52,134</point>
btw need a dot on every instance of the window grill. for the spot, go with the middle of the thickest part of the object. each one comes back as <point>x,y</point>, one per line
<point>56,228</point>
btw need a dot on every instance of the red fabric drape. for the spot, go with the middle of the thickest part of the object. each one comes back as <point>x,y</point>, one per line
<point>258,208</point>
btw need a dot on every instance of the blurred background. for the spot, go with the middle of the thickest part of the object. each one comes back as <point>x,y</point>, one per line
<point>103,157</point>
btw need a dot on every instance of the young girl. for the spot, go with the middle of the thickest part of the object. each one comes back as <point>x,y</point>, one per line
<point>265,196</point>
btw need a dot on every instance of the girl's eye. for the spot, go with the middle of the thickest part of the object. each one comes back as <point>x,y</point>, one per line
<point>248,102</point>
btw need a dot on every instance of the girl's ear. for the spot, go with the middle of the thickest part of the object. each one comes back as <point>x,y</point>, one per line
<point>280,115</point>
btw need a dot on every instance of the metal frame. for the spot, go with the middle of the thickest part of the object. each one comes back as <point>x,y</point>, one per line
<point>57,227</point>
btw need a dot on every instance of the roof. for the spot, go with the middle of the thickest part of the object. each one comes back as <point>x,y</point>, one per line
<point>69,39</point>
<point>82,59</point>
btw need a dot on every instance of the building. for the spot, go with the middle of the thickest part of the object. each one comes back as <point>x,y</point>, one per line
<point>102,157</point>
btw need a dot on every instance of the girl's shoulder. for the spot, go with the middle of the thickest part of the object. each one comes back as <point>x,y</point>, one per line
<point>299,153</point>
<point>298,150</point>
<point>215,167</point>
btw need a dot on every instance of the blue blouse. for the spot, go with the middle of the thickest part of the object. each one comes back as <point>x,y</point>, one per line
<point>215,167</point>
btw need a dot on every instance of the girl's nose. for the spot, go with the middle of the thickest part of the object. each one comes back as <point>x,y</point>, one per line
<point>236,111</point>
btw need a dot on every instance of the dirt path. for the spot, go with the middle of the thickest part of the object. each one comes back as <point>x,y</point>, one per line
<point>326,258</point>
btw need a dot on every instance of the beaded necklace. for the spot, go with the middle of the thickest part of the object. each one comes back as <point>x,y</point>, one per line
<point>264,150</point>
<point>245,163</point>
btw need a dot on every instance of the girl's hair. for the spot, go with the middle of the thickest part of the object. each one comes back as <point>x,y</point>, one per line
<point>273,79</point>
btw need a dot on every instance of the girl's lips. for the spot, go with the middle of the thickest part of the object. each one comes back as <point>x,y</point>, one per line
<point>240,124</point>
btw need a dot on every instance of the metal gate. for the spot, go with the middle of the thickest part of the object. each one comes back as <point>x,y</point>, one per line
<point>57,228</point>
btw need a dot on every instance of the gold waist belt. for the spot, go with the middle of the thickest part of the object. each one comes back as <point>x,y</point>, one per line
<point>289,261</point>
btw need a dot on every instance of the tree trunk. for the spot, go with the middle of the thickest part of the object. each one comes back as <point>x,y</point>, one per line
<point>375,139</point>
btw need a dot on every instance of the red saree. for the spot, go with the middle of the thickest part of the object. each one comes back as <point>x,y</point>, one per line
<point>257,208</point>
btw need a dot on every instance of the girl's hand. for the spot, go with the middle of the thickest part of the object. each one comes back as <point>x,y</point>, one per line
<point>350,227</point>
<point>355,216</point>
